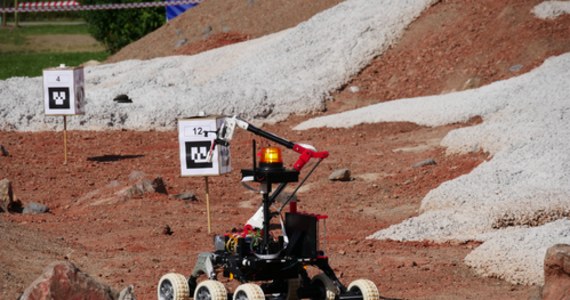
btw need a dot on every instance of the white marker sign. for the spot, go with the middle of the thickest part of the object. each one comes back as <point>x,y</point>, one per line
<point>64,91</point>
<point>195,137</point>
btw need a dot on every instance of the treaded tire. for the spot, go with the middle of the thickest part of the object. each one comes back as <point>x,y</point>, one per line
<point>292,286</point>
<point>173,286</point>
<point>210,290</point>
<point>325,282</point>
<point>366,288</point>
<point>249,291</point>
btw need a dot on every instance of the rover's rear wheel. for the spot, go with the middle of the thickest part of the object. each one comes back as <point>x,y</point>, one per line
<point>249,291</point>
<point>292,286</point>
<point>173,286</point>
<point>323,282</point>
<point>210,290</point>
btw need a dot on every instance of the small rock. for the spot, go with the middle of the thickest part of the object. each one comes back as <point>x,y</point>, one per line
<point>516,68</point>
<point>188,196</point>
<point>159,186</point>
<point>427,162</point>
<point>166,230</point>
<point>35,208</point>
<point>471,83</point>
<point>207,31</point>
<point>354,89</point>
<point>340,175</point>
<point>180,43</point>
<point>122,98</point>
<point>3,151</point>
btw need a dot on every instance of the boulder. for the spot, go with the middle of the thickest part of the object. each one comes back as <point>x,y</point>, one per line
<point>63,280</point>
<point>557,273</point>
<point>145,186</point>
<point>340,175</point>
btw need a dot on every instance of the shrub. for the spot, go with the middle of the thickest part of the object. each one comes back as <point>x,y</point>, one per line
<point>117,28</point>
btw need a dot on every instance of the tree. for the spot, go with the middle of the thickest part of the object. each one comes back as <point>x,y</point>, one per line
<point>118,28</point>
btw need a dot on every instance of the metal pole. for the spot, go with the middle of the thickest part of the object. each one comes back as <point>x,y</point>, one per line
<point>208,205</point>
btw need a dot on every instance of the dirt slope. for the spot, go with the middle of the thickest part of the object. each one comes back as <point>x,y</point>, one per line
<point>454,45</point>
<point>218,18</point>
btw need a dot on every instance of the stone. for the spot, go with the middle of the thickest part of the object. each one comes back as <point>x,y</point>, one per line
<point>180,43</point>
<point>159,186</point>
<point>188,196</point>
<point>7,203</point>
<point>557,273</point>
<point>35,208</point>
<point>426,162</point>
<point>166,230</point>
<point>354,89</point>
<point>515,68</point>
<point>145,186</point>
<point>3,151</point>
<point>63,280</point>
<point>207,31</point>
<point>123,98</point>
<point>340,175</point>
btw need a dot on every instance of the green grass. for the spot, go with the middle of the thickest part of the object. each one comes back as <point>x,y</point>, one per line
<point>32,64</point>
<point>18,35</point>
<point>27,61</point>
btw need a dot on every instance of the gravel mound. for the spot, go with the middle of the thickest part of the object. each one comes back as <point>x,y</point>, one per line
<point>267,79</point>
<point>490,258</point>
<point>551,9</point>
<point>526,130</point>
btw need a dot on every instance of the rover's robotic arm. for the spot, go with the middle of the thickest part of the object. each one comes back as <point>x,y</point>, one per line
<point>306,152</point>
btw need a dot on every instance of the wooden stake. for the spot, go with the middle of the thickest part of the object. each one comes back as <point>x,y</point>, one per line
<point>208,205</point>
<point>65,140</point>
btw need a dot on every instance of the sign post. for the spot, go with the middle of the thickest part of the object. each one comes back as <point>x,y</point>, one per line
<point>64,95</point>
<point>198,156</point>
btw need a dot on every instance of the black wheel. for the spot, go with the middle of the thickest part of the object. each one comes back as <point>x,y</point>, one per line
<point>173,286</point>
<point>210,290</point>
<point>366,288</point>
<point>326,285</point>
<point>292,286</point>
<point>249,291</point>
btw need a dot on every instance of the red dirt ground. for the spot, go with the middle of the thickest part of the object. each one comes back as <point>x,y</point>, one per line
<point>454,45</point>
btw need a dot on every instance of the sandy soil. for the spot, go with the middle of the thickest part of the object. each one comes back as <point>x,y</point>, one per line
<point>455,45</point>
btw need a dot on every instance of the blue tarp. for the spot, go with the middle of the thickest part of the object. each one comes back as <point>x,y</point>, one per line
<point>172,11</point>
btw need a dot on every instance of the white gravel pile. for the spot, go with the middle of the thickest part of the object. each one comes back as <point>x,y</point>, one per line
<point>526,128</point>
<point>551,9</point>
<point>292,71</point>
